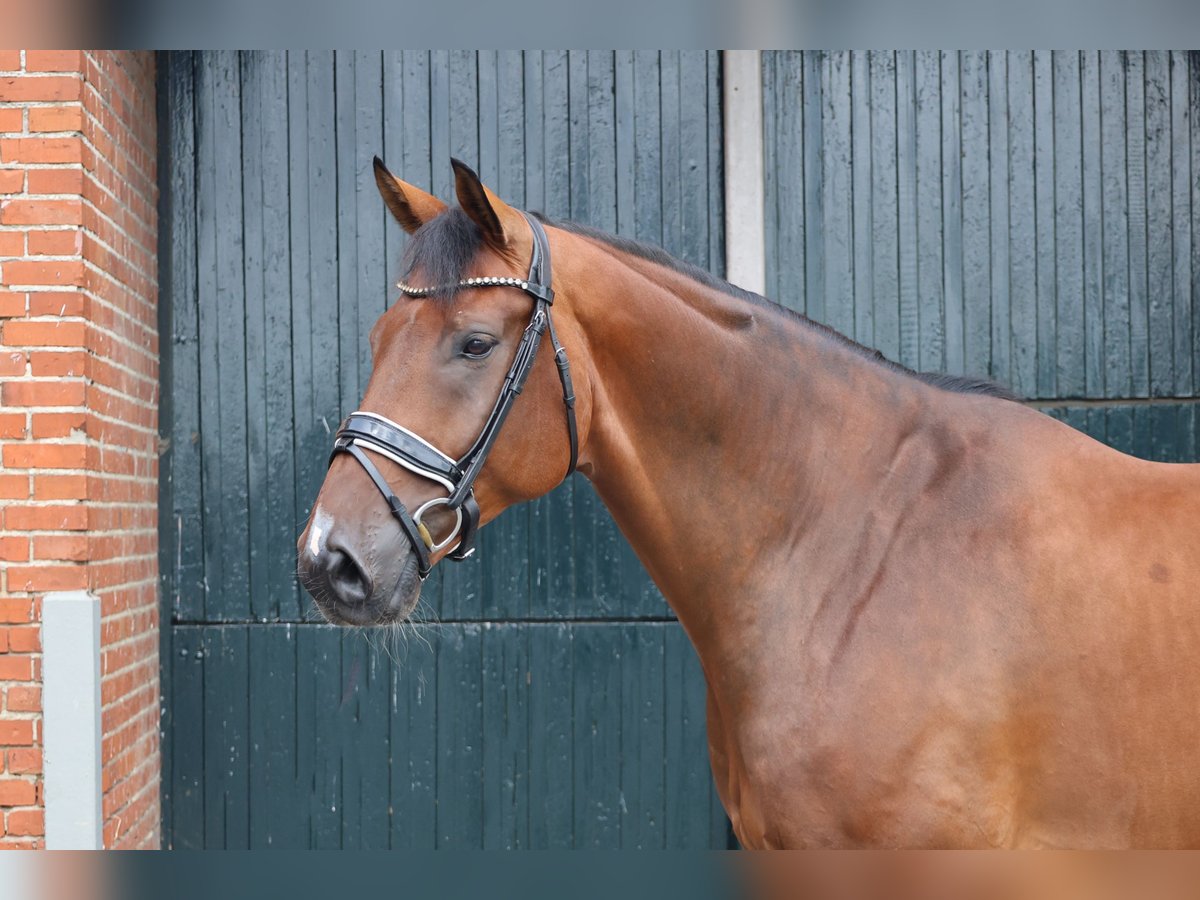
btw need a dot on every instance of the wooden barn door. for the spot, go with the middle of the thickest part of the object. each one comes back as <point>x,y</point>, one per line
<point>1032,217</point>
<point>547,697</point>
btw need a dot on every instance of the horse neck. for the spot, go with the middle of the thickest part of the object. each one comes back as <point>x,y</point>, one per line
<point>725,436</point>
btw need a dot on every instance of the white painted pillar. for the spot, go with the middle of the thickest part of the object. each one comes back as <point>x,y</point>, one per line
<point>745,238</point>
<point>71,720</point>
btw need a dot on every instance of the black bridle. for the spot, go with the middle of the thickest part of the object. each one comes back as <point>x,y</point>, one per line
<point>364,430</point>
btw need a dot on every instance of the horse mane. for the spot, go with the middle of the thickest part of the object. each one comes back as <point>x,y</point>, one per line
<point>444,247</point>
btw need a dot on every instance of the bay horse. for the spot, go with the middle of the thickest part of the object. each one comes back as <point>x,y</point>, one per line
<point>928,616</point>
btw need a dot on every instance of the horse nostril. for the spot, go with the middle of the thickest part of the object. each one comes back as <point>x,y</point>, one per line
<point>346,577</point>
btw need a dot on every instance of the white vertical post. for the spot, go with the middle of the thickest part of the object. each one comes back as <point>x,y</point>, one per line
<point>71,720</point>
<point>745,239</point>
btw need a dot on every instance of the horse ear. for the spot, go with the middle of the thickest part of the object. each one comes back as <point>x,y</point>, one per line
<point>411,206</point>
<point>501,225</point>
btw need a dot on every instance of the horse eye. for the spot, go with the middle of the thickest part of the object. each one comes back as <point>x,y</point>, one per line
<point>477,348</point>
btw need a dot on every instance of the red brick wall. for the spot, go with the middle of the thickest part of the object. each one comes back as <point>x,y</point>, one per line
<point>78,411</point>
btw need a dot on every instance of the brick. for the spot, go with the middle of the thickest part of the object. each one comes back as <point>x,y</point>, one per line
<point>12,363</point>
<point>22,698</point>
<point>14,548</point>
<point>14,487</point>
<point>15,667</point>
<point>39,272</point>
<point>16,610</point>
<point>12,119</point>
<point>57,424</point>
<point>61,546</point>
<point>42,393</point>
<point>25,638</point>
<point>55,181</point>
<point>41,212</point>
<point>56,243</point>
<point>12,304</point>
<point>12,181</point>
<point>58,363</point>
<point>58,303</point>
<point>45,456</point>
<point>12,243</point>
<point>10,60</point>
<point>59,487</point>
<point>53,61</point>
<point>45,333</point>
<point>46,518</point>
<point>27,822</point>
<point>46,88</point>
<point>12,425</point>
<point>17,791</point>
<point>40,150</point>
<point>45,578</point>
<point>25,761</point>
<point>56,118</point>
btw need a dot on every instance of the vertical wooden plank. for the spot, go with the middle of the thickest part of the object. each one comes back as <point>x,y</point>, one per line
<point>906,210</point>
<point>1183,180</point>
<point>1022,236</point>
<point>596,736</point>
<point>371,285</point>
<point>642,801</point>
<point>998,159</point>
<point>952,221</point>
<point>814,177</point>
<point>366,750</point>
<point>772,97</point>
<point>861,316</point>
<point>716,168</point>
<point>694,220</point>
<point>1093,231</point>
<point>885,238</point>
<point>1047,248</point>
<point>184,531</point>
<point>1194,122</point>
<point>185,828</point>
<point>579,168</point>
<point>930,281</point>
<point>1135,162</point>
<point>670,172</point>
<point>506,736</point>
<point>838,190</point>
<point>459,738</point>
<point>318,760</point>
<point>790,196</point>
<point>551,697</point>
<point>255,228</point>
<point>208,433</point>
<point>226,746</point>
<point>412,739</point>
<point>1115,222</point>
<point>1159,224</point>
<point>351,380</point>
<point>1068,226</point>
<point>976,214</point>
<point>520,114</point>
<point>688,785</point>
<point>277,799</point>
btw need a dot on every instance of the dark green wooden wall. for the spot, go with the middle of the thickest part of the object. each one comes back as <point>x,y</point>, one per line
<point>548,699</point>
<point>1033,217</point>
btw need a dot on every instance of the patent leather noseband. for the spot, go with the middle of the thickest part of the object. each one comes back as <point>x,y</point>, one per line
<point>371,431</point>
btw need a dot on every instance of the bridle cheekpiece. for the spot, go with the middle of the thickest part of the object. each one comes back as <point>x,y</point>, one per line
<point>371,431</point>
